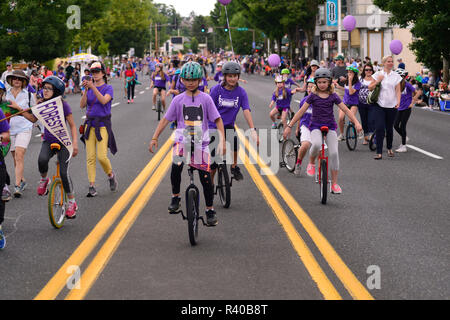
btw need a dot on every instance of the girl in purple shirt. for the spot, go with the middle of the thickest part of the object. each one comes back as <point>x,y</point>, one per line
<point>282,98</point>
<point>322,99</point>
<point>158,82</point>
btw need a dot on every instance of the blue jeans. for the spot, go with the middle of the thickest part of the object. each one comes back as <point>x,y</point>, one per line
<point>384,123</point>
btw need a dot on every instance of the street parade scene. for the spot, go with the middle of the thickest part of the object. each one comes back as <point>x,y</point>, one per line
<point>227,154</point>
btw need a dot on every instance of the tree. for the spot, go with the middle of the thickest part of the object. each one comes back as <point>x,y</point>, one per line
<point>430,22</point>
<point>194,45</point>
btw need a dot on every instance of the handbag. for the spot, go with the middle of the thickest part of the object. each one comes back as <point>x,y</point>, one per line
<point>372,98</point>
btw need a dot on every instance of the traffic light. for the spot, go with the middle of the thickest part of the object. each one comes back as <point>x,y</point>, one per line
<point>175,25</point>
<point>226,27</point>
<point>203,28</point>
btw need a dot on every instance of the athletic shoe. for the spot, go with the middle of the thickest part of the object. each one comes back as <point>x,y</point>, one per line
<point>236,173</point>
<point>153,108</point>
<point>407,139</point>
<point>113,182</point>
<point>311,170</point>
<point>42,187</point>
<point>211,218</point>
<point>336,189</point>
<point>2,239</point>
<point>402,148</point>
<point>175,205</point>
<point>341,137</point>
<point>17,192</point>
<point>6,194</point>
<point>92,192</point>
<point>23,185</point>
<point>71,210</point>
<point>298,169</point>
<point>128,102</point>
<point>274,125</point>
<point>132,100</point>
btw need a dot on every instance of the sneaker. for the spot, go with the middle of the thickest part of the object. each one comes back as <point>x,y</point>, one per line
<point>71,210</point>
<point>407,139</point>
<point>128,101</point>
<point>336,189</point>
<point>274,125</point>
<point>153,108</point>
<point>92,192</point>
<point>132,100</point>
<point>6,194</point>
<point>113,182</point>
<point>402,148</point>
<point>298,169</point>
<point>23,185</point>
<point>211,218</point>
<point>17,192</point>
<point>311,170</point>
<point>2,239</point>
<point>341,137</point>
<point>175,205</point>
<point>236,173</point>
<point>42,187</point>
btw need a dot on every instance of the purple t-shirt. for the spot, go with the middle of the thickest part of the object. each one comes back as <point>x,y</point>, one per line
<point>407,96</point>
<point>322,114</point>
<point>219,77</point>
<point>228,104</point>
<point>352,99</point>
<point>180,87</point>
<point>31,89</point>
<point>289,82</point>
<point>47,135</point>
<point>306,119</point>
<point>95,108</point>
<point>4,125</point>
<point>283,103</point>
<point>192,115</point>
<point>203,85</point>
<point>159,82</point>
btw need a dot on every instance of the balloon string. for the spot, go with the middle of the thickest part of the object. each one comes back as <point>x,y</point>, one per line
<point>229,30</point>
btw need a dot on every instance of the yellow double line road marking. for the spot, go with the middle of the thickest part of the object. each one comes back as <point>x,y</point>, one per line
<point>345,275</point>
<point>58,281</point>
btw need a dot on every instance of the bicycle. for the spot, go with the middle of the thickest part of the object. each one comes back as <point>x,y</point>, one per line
<point>57,198</point>
<point>322,173</point>
<point>351,136</point>
<point>289,153</point>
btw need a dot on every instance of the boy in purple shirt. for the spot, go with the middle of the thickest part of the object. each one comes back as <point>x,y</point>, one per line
<point>192,110</point>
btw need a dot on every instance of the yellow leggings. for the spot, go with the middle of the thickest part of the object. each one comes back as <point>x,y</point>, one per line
<point>97,150</point>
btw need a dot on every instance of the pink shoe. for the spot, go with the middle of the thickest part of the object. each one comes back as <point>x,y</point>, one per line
<point>128,101</point>
<point>311,170</point>
<point>132,100</point>
<point>42,187</point>
<point>71,211</point>
<point>336,189</point>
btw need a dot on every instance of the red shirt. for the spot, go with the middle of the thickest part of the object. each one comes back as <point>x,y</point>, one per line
<point>129,73</point>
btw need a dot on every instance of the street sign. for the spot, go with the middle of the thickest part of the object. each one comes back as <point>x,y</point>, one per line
<point>332,13</point>
<point>328,35</point>
<point>242,29</point>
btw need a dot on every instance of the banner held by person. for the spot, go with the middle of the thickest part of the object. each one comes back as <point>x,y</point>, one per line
<point>51,115</point>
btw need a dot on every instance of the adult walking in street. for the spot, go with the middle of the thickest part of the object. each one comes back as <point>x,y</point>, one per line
<point>20,128</point>
<point>387,105</point>
<point>98,135</point>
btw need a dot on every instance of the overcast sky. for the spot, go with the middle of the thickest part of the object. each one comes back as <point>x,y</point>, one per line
<point>185,7</point>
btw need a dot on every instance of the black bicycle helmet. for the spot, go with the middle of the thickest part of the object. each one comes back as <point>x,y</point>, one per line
<point>231,67</point>
<point>57,84</point>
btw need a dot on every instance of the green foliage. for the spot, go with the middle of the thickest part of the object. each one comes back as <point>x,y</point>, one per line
<point>194,45</point>
<point>430,22</point>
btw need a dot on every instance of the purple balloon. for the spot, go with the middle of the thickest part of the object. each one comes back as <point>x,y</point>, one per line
<point>274,60</point>
<point>349,23</point>
<point>396,46</point>
<point>224,2</point>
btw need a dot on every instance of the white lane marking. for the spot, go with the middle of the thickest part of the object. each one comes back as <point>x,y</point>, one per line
<point>142,92</point>
<point>115,104</point>
<point>432,155</point>
<point>148,88</point>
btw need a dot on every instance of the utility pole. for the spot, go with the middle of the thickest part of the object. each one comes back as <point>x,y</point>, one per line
<point>156,38</point>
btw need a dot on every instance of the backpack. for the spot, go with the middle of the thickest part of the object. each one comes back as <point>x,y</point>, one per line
<point>372,98</point>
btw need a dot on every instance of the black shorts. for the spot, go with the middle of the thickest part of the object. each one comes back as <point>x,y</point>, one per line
<point>160,88</point>
<point>349,106</point>
<point>213,139</point>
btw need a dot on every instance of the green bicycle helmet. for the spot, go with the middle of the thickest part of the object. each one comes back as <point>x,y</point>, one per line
<point>191,70</point>
<point>285,71</point>
<point>353,68</point>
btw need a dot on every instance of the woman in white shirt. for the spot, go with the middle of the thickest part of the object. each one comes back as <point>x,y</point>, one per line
<point>387,105</point>
<point>21,128</point>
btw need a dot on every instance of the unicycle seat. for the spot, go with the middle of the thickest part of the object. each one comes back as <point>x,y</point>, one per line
<point>324,130</point>
<point>55,146</point>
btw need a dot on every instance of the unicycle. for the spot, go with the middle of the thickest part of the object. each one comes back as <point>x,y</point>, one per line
<point>224,184</point>
<point>289,154</point>
<point>57,198</point>
<point>351,136</point>
<point>322,175</point>
<point>159,104</point>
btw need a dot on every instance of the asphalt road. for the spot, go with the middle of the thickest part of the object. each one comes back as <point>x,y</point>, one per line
<point>385,237</point>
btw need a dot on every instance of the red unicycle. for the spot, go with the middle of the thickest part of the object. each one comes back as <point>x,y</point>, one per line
<point>322,172</point>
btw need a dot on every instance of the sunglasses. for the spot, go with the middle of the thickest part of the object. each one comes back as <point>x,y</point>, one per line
<point>368,70</point>
<point>16,78</point>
